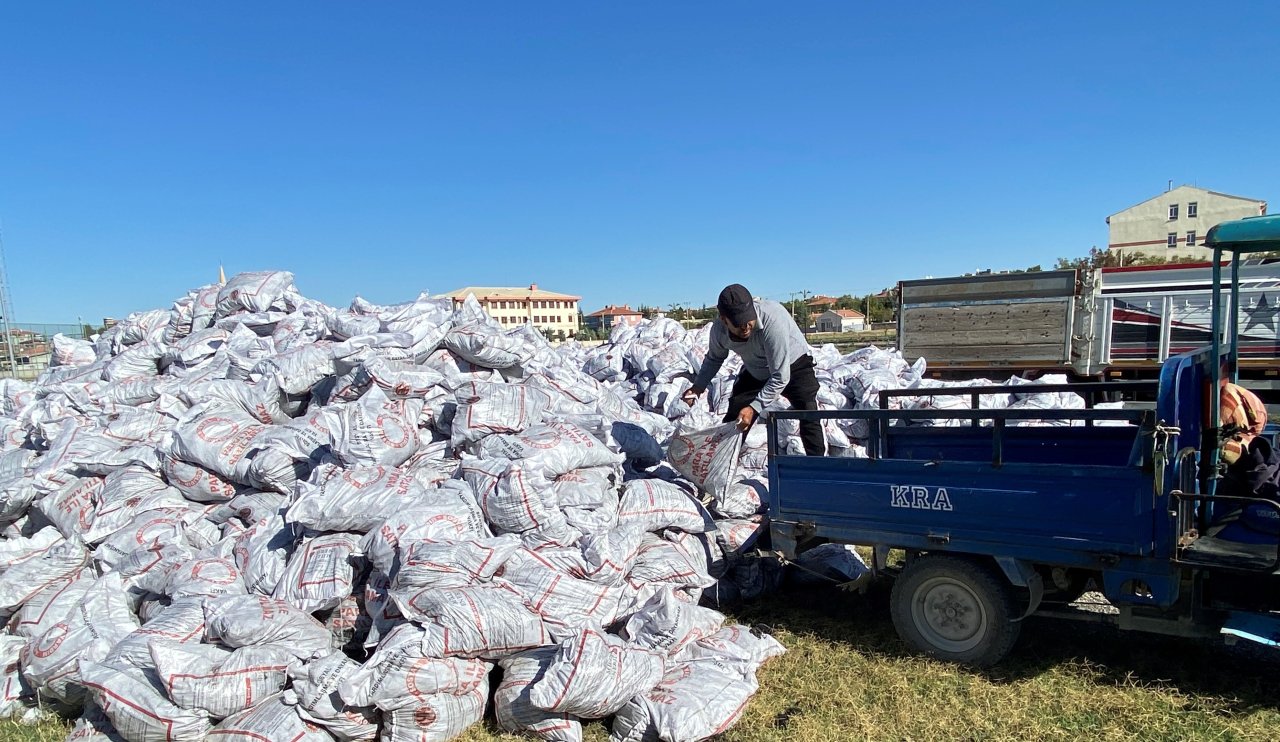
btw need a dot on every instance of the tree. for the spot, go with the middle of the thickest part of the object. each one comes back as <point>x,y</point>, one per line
<point>847,301</point>
<point>1095,259</point>
<point>1113,258</point>
<point>559,336</point>
<point>879,307</point>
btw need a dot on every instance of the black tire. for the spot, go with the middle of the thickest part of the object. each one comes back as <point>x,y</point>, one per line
<point>955,610</point>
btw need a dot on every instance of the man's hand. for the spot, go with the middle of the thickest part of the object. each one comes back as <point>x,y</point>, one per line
<point>746,417</point>
<point>691,395</point>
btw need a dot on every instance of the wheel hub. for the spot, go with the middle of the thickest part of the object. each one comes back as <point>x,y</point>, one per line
<point>949,615</point>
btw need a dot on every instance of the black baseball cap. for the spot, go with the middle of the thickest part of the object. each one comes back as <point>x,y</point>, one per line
<point>735,303</point>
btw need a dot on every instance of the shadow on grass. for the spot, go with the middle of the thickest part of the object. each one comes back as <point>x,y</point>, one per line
<point>1239,679</point>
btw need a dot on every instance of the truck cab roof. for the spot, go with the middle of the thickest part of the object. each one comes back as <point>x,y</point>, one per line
<point>1253,234</point>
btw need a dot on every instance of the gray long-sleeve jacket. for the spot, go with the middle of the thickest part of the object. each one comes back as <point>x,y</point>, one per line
<point>768,353</point>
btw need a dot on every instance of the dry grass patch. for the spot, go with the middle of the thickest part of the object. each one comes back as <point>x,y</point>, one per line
<point>847,677</point>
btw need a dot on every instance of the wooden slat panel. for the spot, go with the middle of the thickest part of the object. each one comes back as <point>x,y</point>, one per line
<point>1010,319</point>
<point>1031,331</point>
<point>1049,284</point>
<point>1047,354</point>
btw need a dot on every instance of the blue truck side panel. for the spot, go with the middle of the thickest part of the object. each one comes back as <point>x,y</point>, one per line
<point>1089,495</point>
<point>1062,514</point>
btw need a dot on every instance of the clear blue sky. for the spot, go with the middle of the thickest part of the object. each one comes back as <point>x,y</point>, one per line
<point>627,152</point>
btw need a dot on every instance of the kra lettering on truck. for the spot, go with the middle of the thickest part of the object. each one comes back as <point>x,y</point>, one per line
<point>919,498</point>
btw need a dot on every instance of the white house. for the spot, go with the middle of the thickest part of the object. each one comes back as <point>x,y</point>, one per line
<point>841,320</point>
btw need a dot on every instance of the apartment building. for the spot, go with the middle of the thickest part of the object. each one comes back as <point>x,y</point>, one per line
<point>511,307</point>
<point>1175,222</point>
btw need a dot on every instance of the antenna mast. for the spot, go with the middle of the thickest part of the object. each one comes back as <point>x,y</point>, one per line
<point>6,310</point>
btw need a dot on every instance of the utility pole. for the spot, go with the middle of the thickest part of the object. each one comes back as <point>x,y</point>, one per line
<point>804,294</point>
<point>6,310</point>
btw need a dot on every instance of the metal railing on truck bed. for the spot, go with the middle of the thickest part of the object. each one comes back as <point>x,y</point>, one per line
<point>1054,494</point>
<point>986,428</point>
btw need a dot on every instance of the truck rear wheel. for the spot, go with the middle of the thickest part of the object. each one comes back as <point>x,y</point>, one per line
<point>954,609</point>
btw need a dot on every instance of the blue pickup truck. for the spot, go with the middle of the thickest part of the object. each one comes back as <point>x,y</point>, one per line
<point>1001,519</point>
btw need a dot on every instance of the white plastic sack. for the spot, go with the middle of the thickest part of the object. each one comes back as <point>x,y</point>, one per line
<point>595,674</point>
<point>695,700</point>
<point>262,552</point>
<point>250,620</point>
<point>485,408</point>
<point>320,573</point>
<point>709,458</point>
<point>14,690</point>
<point>487,346</point>
<point>260,291</point>
<point>565,603</point>
<point>487,620</point>
<point>557,447</point>
<point>449,514</point>
<point>660,561</point>
<point>655,504</point>
<point>375,430</point>
<point>182,622</point>
<point>593,487</point>
<point>23,581</point>
<point>743,498</point>
<point>219,439</point>
<point>316,696</point>
<point>742,645</point>
<point>86,633</point>
<point>217,680</point>
<point>353,498</point>
<point>204,578</point>
<point>69,351</point>
<point>15,551</point>
<point>50,605</point>
<point>668,623</point>
<point>515,498</point>
<point>138,711</point>
<point>452,563</point>
<point>401,675</point>
<point>441,717</point>
<point>195,482</point>
<point>270,719</point>
<point>515,712</point>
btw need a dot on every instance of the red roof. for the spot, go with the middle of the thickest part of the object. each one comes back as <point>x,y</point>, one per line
<point>611,311</point>
<point>849,313</point>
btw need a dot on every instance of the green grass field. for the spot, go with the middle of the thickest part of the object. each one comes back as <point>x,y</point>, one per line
<point>846,676</point>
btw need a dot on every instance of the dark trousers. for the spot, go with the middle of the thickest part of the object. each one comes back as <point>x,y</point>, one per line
<point>801,392</point>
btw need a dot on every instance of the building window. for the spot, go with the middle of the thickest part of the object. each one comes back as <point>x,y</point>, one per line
<point>1191,239</point>
<point>1173,212</point>
<point>1173,239</point>
<point>1192,209</point>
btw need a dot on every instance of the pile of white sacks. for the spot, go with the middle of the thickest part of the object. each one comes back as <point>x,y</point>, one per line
<point>257,514</point>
